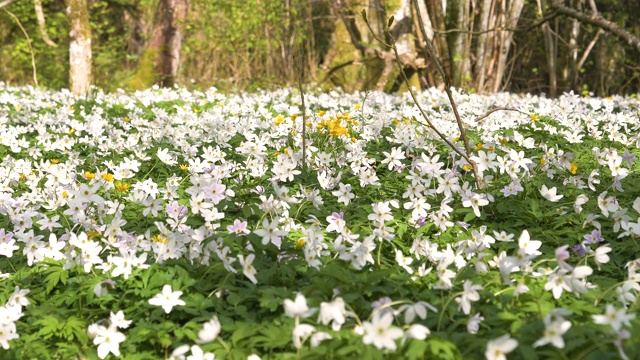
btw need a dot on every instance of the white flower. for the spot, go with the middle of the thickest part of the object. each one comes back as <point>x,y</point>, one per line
<point>198,354</point>
<point>418,332</point>
<point>108,341</point>
<point>497,348</point>
<point>379,331</point>
<point>119,321</point>
<point>614,318</point>
<point>163,155</point>
<point>469,294</point>
<point>301,333</point>
<point>553,333</point>
<point>530,247</point>
<point>318,337</point>
<point>473,325</point>
<point>550,194</point>
<point>333,312</point>
<point>210,331</point>
<point>344,193</point>
<point>247,267</point>
<point>298,307</point>
<point>167,299</point>
<point>600,255</point>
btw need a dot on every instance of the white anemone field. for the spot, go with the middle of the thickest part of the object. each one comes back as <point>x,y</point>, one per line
<point>168,224</point>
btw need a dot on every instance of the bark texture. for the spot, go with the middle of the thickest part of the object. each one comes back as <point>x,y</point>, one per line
<point>161,59</point>
<point>79,47</point>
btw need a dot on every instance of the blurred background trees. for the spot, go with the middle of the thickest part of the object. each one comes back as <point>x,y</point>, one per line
<point>484,45</point>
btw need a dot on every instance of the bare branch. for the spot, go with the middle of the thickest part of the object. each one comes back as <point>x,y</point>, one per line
<point>483,116</point>
<point>41,23</point>
<point>598,21</point>
<point>589,48</point>
<point>5,3</point>
<point>550,16</point>
<point>33,58</point>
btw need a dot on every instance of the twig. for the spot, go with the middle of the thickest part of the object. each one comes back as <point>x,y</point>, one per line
<point>413,96</point>
<point>33,58</point>
<point>549,16</point>
<point>304,112</point>
<point>587,51</point>
<point>483,116</point>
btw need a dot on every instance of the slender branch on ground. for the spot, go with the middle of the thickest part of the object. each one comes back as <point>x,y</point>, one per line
<point>483,116</point>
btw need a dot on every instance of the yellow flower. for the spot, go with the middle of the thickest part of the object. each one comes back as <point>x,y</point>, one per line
<point>92,234</point>
<point>184,167</point>
<point>126,119</point>
<point>534,117</point>
<point>456,139</point>
<point>321,113</point>
<point>195,110</point>
<point>159,239</point>
<point>466,167</point>
<point>65,194</point>
<point>89,175</point>
<point>54,161</point>
<point>491,148</point>
<point>107,177</point>
<point>338,130</point>
<point>294,117</point>
<point>396,122</point>
<point>279,120</point>
<point>543,161</point>
<point>573,168</point>
<point>122,187</point>
<point>479,147</point>
<point>358,106</point>
<point>353,139</point>
<point>309,124</point>
<point>300,243</point>
<point>72,131</point>
<point>503,141</point>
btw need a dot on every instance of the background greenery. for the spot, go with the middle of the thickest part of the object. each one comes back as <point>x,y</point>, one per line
<point>253,44</point>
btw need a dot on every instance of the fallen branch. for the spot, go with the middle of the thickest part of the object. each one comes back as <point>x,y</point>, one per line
<point>483,116</point>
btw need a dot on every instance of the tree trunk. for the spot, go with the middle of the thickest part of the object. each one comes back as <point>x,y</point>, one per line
<point>437,13</point>
<point>161,59</point>
<point>549,47</point>
<point>511,16</point>
<point>481,54</point>
<point>79,47</point>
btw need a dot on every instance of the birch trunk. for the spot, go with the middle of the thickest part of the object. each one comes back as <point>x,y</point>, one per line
<point>79,47</point>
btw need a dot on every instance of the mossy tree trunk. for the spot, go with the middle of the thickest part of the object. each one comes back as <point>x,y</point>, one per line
<point>79,47</point>
<point>161,59</point>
